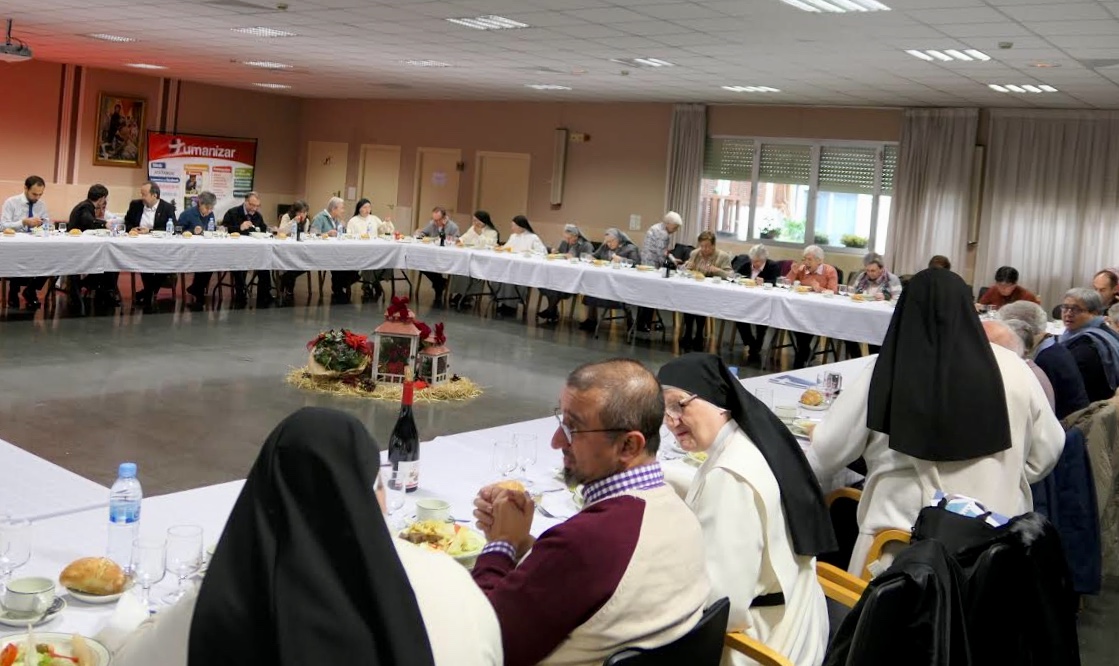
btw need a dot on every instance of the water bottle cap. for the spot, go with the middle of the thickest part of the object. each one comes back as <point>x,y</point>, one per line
<point>127,470</point>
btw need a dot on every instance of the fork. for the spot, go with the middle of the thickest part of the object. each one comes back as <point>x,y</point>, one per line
<point>546,513</point>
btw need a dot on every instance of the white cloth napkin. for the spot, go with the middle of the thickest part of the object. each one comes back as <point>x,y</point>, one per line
<point>127,616</point>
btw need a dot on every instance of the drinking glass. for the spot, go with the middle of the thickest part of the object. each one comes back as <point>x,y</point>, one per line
<point>505,457</point>
<point>765,395</point>
<point>184,557</point>
<point>15,546</point>
<point>61,227</point>
<point>842,290</point>
<point>394,494</point>
<point>526,454</point>
<point>178,230</point>
<point>149,561</point>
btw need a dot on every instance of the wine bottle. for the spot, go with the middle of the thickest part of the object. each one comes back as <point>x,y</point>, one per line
<point>667,264</point>
<point>404,443</point>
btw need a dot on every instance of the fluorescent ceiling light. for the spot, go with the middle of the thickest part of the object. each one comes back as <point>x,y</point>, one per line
<point>488,23</point>
<point>751,89</point>
<point>144,65</point>
<point>1024,88</point>
<point>646,63</point>
<point>949,55</point>
<point>273,86</point>
<point>260,31</point>
<point>266,64</point>
<point>110,38</point>
<point>546,86</point>
<point>425,63</point>
<point>838,6</point>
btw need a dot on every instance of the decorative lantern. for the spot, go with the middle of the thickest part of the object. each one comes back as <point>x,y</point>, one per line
<point>434,360</point>
<point>395,342</point>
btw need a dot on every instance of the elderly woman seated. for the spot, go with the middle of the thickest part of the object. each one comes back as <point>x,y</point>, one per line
<point>1005,290</point>
<point>1091,341</point>
<point>574,245</point>
<point>819,277</point>
<point>1054,359</point>
<point>616,246</point>
<point>876,282</point>
<point>760,267</point>
<point>710,262</point>
<point>761,554</point>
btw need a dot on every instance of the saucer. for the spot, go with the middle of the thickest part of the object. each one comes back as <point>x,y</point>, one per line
<point>21,619</point>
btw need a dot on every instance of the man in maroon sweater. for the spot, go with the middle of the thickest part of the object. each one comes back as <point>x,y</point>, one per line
<point>627,570</point>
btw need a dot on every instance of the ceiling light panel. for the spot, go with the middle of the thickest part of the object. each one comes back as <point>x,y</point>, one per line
<point>144,65</point>
<point>260,31</point>
<point>266,64</point>
<point>949,55</point>
<point>110,38</point>
<point>1025,88</point>
<point>837,6</point>
<point>644,63</point>
<point>751,89</point>
<point>546,86</point>
<point>273,86</point>
<point>488,23</point>
<point>425,63</point>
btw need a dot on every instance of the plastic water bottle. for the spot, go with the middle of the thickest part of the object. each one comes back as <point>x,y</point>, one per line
<point>47,226</point>
<point>124,515</point>
<point>211,226</point>
<point>170,227</point>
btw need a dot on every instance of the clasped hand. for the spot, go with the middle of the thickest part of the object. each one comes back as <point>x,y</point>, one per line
<point>505,515</point>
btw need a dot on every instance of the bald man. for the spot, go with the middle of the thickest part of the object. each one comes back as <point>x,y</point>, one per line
<point>1002,335</point>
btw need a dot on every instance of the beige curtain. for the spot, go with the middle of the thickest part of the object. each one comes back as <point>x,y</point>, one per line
<point>1051,198</point>
<point>932,194</point>
<point>685,165</point>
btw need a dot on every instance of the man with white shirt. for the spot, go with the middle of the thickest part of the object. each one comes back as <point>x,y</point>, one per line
<point>23,213</point>
<point>145,214</point>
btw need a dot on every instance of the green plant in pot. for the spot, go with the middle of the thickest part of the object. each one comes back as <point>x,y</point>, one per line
<point>821,238</point>
<point>852,240</point>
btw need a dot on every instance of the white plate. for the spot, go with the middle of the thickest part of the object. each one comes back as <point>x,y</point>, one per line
<point>559,504</point>
<point>21,619</point>
<point>61,643</point>
<point>93,598</point>
<point>813,408</point>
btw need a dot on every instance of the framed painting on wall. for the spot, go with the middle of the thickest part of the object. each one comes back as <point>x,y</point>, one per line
<point>119,131</point>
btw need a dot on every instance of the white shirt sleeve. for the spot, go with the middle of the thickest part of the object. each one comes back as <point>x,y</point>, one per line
<point>13,213</point>
<point>1046,438</point>
<point>733,541</point>
<point>842,436</point>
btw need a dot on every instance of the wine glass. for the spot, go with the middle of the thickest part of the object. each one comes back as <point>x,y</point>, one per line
<point>15,546</point>
<point>505,457</point>
<point>526,454</point>
<point>149,561</point>
<point>184,557</point>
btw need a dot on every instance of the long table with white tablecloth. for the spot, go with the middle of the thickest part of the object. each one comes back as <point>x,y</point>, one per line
<point>838,317</point>
<point>453,468</point>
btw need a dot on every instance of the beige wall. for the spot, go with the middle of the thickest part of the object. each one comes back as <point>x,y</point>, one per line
<point>619,172</point>
<point>29,134</point>
<point>806,122</point>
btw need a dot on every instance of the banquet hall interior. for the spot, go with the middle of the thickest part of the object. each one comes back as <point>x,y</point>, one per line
<point>986,131</point>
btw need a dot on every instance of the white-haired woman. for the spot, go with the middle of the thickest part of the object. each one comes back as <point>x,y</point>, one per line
<point>813,273</point>
<point>760,267</point>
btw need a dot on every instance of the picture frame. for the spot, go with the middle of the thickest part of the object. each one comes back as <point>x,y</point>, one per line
<point>119,131</point>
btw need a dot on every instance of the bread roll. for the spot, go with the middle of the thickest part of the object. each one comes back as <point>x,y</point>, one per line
<point>93,575</point>
<point>187,234</point>
<point>9,232</point>
<point>235,234</point>
<point>75,232</point>
<point>515,486</point>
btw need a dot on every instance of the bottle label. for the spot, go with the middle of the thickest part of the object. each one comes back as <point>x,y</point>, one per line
<point>410,473</point>
<point>124,513</point>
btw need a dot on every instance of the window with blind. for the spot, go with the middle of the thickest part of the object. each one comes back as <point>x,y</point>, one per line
<point>832,194</point>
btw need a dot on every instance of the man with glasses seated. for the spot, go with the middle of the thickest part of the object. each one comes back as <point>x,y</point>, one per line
<point>628,569</point>
<point>1092,343</point>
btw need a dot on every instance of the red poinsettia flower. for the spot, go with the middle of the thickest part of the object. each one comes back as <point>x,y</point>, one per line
<point>318,338</point>
<point>425,330</point>
<point>440,339</point>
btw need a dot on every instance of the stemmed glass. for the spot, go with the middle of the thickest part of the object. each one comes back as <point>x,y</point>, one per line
<point>394,495</point>
<point>15,546</point>
<point>149,561</point>
<point>526,454</point>
<point>505,457</point>
<point>184,557</point>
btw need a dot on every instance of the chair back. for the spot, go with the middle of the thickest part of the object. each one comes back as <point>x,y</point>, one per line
<point>838,275</point>
<point>843,508</point>
<point>740,261</point>
<point>983,290</point>
<point>842,591</point>
<point>878,546</point>
<point>785,265</point>
<point>682,252</point>
<point>702,646</point>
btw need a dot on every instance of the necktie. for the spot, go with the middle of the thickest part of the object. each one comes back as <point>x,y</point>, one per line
<point>30,209</point>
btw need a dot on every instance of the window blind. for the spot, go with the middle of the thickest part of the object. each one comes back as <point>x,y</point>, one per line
<point>847,169</point>
<point>889,167</point>
<point>785,163</point>
<point>728,159</point>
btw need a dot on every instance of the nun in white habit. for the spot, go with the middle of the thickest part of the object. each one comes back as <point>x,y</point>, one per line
<point>760,507</point>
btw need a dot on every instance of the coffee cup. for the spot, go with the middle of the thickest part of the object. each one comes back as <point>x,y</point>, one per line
<point>29,595</point>
<point>433,509</point>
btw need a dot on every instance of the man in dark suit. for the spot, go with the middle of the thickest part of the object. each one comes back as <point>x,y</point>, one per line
<point>759,266</point>
<point>90,214</point>
<point>144,214</point>
<point>244,220</point>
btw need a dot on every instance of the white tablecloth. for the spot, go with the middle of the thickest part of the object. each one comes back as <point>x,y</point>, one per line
<point>34,488</point>
<point>838,317</point>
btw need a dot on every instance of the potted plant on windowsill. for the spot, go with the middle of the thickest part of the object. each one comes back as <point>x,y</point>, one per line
<point>853,241</point>
<point>770,231</point>
<point>821,238</point>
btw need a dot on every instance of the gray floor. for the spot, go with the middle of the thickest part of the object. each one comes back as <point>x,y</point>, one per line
<point>191,395</point>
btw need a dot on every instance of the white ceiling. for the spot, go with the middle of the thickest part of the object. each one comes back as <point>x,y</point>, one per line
<point>353,48</point>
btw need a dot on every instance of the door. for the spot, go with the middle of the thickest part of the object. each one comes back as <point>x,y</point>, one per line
<point>437,175</point>
<point>501,187</point>
<point>326,173</point>
<point>380,178</point>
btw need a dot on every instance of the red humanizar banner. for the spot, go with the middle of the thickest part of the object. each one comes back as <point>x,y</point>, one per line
<point>185,164</point>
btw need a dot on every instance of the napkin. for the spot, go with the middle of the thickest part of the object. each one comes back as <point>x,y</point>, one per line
<point>797,382</point>
<point>127,616</point>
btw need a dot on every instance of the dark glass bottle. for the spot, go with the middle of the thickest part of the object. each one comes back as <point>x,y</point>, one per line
<point>404,443</point>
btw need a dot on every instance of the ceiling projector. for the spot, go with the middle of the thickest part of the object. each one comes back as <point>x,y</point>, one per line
<point>13,52</point>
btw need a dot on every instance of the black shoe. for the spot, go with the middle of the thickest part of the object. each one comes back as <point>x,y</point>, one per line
<point>456,300</point>
<point>31,299</point>
<point>588,324</point>
<point>438,302</point>
<point>142,298</point>
<point>507,311</point>
<point>644,328</point>
<point>685,345</point>
<point>198,292</point>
